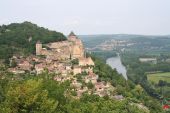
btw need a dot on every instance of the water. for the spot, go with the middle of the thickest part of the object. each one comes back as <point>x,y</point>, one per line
<point>115,63</point>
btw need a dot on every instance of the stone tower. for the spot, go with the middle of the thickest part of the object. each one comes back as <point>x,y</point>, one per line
<point>38,48</point>
<point>77,47</point>
<point>72,36</point>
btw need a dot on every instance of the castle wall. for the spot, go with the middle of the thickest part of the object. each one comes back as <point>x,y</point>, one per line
<point>72,47</point>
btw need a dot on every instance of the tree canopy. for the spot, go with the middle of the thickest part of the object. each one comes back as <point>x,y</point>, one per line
<point>22,37</point>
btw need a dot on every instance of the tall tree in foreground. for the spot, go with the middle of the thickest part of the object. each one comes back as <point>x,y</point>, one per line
<point>28,97</point>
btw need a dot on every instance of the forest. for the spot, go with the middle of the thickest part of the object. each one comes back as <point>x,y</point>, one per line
<point>104,54</point>
<point>20,38</point>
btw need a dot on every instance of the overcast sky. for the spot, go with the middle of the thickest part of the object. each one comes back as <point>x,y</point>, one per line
<point>148,17</point>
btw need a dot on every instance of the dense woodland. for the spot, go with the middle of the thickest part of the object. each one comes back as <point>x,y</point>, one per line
<point>21,38</point>
<point>104,54</point>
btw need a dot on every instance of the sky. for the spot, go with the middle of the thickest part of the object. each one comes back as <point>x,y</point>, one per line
<point>147,17</point>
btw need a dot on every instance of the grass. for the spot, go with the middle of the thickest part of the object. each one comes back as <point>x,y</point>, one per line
<point>159,76</point>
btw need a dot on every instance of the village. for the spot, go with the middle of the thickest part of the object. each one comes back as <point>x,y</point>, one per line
<point>112,44</point>
<point>67,60</point>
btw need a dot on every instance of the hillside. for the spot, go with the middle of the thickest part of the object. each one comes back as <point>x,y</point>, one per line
<point>92,41</point>
<point>83,84</point>
<point>21,38</point>
<point>24,92</point>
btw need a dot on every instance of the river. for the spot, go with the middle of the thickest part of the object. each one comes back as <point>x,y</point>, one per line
<point>115,63</point>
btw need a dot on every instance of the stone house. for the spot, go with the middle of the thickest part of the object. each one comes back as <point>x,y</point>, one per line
<point>81,91</point>
<point>86,62</point>
<point>76,85</point>
<point>92,77</point>
<point>99,86</point>
<point>24,65</point>
<point>40,68</point>
<point>62,78</point>
<point>77,70</point>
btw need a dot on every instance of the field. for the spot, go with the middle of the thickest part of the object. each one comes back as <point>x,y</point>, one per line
<point>159,76</point>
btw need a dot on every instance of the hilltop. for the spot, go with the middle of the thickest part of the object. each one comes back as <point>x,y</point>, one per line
<point>20,38</point>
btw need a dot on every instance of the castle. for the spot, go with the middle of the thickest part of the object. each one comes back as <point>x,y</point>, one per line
<point>57,58</point>
<point>72,48</point>
<point>60,59</point>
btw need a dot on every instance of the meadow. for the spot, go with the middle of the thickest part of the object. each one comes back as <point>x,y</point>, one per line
<point>159,76</point>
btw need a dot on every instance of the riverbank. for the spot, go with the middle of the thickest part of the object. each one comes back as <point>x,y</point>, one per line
<point>115,63</point>
<point>104,55</point>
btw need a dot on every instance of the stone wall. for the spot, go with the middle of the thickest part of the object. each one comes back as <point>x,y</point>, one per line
<point>71,48</point>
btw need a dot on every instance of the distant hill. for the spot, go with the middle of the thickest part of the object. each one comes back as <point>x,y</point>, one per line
<point>93,40</point>
<point>20,38</point>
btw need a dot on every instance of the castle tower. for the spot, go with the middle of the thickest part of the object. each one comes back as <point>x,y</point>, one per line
<point>38,48</point>
<point>72,36</point>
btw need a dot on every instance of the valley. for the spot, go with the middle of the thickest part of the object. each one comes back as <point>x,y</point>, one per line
<point>146,59</point>
<point>69,76</point>
<point>85,56</point>
<point>115,63</point>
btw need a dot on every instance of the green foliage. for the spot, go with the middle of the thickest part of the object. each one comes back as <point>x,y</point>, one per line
<point>41,94</point>
<point>27,97</point>
<point>75,61</point>
<point>126,88</point>
<point>106,73</point>
<point>38,94</point>
<point>21,38</point>
<point>73,93</point>
<point>90,85</point>
<point>136,72</point>
<point>100,105</point>
<point>156,77</point>
<point>104,54</point>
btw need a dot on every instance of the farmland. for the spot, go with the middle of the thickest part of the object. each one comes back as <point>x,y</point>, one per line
<point>159,76</point>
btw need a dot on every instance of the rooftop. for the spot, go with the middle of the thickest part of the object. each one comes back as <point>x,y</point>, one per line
<point>72,34</point>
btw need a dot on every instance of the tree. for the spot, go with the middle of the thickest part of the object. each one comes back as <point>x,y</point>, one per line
<point>75,61</point>
<point>161,83</point>
<point>28,97</point>
<point>90,85</point>
<point>16,41</point>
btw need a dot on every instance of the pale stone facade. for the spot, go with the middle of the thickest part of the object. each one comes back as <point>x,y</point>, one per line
<point>38,48</point>
<point>77,70</point>
<point>58,59</point>
<point>92,77</point>
<point>70,49</point>
<point>86,62</point>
